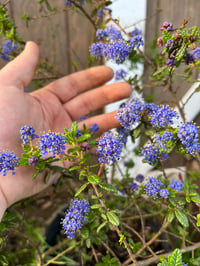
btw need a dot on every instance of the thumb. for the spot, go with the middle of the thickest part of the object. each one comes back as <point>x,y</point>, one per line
<point>20,71</point>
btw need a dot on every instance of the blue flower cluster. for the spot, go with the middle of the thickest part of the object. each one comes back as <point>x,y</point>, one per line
<point>189,137</point>
<point>196,53</point>
<point>167,26</point>
<point>135,109</point>
<point>8,162</point>
<point>133,186</point>
<point>123,134</point>
<point>158,150</point>
<point>120,74</point>
<point>162,116</point>
<point>53,143</point>
<point>27,134</point>
<point>155,187</point>
<point>131,113</point>
<point>7,48</point>
<point>94,128</point>
<point>109,147</point>
<point>176,185</point>
<point>113,46</point>
<point>75,217</point>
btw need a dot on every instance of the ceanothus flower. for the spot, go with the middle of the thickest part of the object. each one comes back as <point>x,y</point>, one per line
<point>162,116</point>
<point>123,134</point>
<point>8,162</point>
<point>162,139</point>
<point>96,49</point>
<point>196,53</point>
<point>135,32</point>
<point>164,193</point>
<point>120,74</point>
<point>153,187</point>
<point>188,135</point>
<point>139,178</point>
<point>75,217</point>
<point>189,58</point>
<point>131,114</point>
<point>133,186</point>
<point>27,134</point>
<point>151,153</point>
<point>53,143</point>
<point>176,184</point>
<point>7,48</point>
<point>94,128</point>
<point>136,41</point>
<point>109,147</point>
<point>116,50</point>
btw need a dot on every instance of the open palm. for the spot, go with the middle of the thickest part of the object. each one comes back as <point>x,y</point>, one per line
<point>53,107</point>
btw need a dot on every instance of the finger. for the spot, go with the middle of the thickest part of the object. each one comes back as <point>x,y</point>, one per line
<point>71,85</point>
<point>20,71</point>
<point>95,99</point>
<point>105,122</point>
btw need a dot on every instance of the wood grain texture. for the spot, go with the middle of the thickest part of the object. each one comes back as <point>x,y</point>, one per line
<point>63,37</point>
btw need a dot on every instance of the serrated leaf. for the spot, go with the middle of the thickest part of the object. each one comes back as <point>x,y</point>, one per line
<point>81,189</point>
<point>170,216</point>
<point>175,259</point>
<point>94,179</point>
<point>108,187</point>
<point>182,218</point>
<point>112,218</point>
<point>101,226</point>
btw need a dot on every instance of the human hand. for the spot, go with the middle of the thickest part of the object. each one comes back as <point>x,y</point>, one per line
<point>53,107</point>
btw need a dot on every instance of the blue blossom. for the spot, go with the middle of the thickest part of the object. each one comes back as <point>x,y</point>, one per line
<point>100,12</point>
<point>189,58</point>
<point>82,118</point>
<point>116,50</point>
<point>151,153</point>
<point>176,184</point>
<point>109,147</point>
<point>163,138</point>
<point>123,134</point>
<point>139,178</point>
<point>75,217</point>
<point>164,193</point>
<point>133,186</point>
<point>170,44</point>
<point>27,134</point>
<point>8,162</point>
<point>171,61</point>
<point>196,53</point>
<point>94,128</point>
<point>53,143</point>
<point>163,116</point>
<point>131,114</point>
<point>96,49</point>
<point>135,32</point>
<point>136,41</point>
<point>120,74</point>
<point>113,33</point>
<point>7,48</point>
<point>188,135</point>
<point>153,187</point>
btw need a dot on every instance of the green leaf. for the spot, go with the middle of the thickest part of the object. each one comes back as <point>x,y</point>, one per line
<point>74,128</point>
<point>112,218</point>
<point>96,206</point>
<point>94,179</point>
<point>182,218</point>
<point>170,216</point>
<point>196,199</point>
<point>108,187</point>
<point>88,243</point>
<point>47,177</point>
<point>26,148</point>
<point>81,189</point>
<point>175,259</point>
<point>101,226</point>
<point>35,174</point>
<point>83,138</point>
<point>74,168</point>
